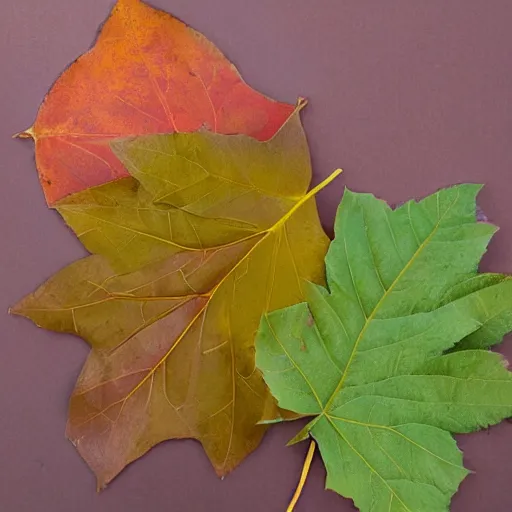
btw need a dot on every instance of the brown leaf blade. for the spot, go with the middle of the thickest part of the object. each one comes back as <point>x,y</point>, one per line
<point>173,340</point>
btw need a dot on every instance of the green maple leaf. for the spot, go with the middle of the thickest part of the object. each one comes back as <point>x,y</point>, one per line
<point>377,357</point>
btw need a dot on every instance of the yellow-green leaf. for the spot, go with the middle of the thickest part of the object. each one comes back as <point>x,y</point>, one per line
<point>172,299</point>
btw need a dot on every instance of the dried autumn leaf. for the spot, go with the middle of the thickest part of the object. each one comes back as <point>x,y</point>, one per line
<point>173,336</point>
<point>147,73</point>
<point>371,367</point>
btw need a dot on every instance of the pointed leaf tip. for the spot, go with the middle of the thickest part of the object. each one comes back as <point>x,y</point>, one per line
<point>301,102</point>
<point>25,134</point>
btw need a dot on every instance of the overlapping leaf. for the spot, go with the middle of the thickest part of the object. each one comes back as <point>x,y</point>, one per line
<point>147,73</point>
<point>367,356</point>
<point>172,298</point>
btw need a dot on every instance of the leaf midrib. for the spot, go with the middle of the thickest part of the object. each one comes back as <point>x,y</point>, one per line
<point>393,429</point>
<point>211,295</point>
<point>370,467</point>
<point>386,294</point>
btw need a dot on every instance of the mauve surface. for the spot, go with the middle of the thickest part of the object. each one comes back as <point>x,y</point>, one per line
<point>406,96</point>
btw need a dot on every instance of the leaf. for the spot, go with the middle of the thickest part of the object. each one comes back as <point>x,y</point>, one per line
<point>371,367</point>
<point>147,73</point>
<point>216,182</point>
<point>173,338</point>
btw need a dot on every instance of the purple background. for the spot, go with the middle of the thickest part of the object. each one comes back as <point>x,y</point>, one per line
<point>407,96</point>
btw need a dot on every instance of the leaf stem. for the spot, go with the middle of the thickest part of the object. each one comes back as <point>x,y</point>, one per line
<point>303,476</point>
<point>309,195</point>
